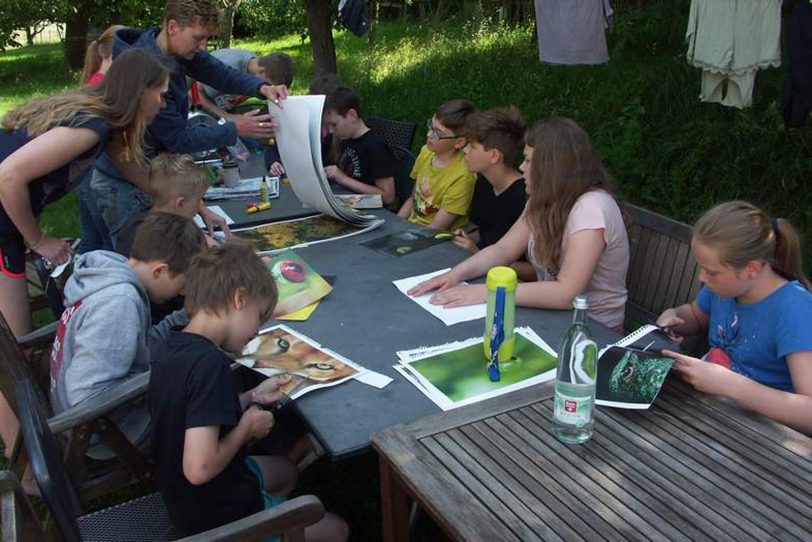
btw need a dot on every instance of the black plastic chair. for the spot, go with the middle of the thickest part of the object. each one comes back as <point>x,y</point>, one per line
<point>144,518</point>
<point>404,162</point>
<point>396,133</point>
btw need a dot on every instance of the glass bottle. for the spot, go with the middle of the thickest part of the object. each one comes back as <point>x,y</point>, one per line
<point>574,403</point>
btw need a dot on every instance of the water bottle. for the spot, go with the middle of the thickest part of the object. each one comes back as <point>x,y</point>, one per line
<point>574,407</point>
<point>499,340</point>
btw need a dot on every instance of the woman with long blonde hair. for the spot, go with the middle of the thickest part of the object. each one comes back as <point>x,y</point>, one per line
<point>47,145</point>
<point>572,230</point>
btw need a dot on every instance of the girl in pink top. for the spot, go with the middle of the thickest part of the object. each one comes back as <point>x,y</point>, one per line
<point>99,57</point>
<point>572,229</point>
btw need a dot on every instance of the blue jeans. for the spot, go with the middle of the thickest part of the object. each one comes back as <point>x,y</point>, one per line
<point>94,231</point>
<point>123,207</point>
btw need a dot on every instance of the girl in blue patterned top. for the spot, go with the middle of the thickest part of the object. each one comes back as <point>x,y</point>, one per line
<point>756,306</point>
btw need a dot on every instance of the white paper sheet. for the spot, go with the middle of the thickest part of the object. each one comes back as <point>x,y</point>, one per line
<point>376,380</point>
<point>216,209</point>
<point>448,316</point>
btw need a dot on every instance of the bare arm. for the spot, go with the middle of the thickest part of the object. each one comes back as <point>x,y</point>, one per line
<point>443,220</point>
<point>205,454</point>
<point>384,186</point>
<point>792,409</point>
<point>406,208</point>
<point>40,156</point>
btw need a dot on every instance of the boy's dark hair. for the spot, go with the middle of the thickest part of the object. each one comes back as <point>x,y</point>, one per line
<point>191,12</point>
<point>278,68</point>
<point>453,114</point>
<point>164,237</point>
<point>342,100</point>
<point>500,128</point>
<point>219,272</point>
<point>324,84</point>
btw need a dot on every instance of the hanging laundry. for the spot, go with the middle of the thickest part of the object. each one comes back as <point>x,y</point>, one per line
<point>730,40</point>
<point>573,31</point>
<point>798,87</point>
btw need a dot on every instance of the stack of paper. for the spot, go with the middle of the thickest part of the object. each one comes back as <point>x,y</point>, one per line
<point>298,135</point>
<point>247,188</point>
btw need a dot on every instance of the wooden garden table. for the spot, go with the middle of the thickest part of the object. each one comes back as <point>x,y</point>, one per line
<point>693,467</point>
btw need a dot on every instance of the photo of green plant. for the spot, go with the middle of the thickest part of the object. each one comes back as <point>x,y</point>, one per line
<point>461,374</point>
<point>630,378</point>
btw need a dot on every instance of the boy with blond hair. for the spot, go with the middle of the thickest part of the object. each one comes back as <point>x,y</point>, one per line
<point>106,334</point>
<point>443,186</point>
<point>176,184</point>
<point>201,424</point>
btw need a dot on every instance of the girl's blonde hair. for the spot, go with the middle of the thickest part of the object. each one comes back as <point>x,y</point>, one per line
<point>564,167</point>
<point>116,101</point>
<point>742,233</point>
<point>97,50</point>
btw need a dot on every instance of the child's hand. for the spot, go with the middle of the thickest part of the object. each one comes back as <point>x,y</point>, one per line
<point>439,283</point>
<point>259,421</point>
<point>268,391</point>
<point>470,294</point>
<point>669,320</point>
<point>333,173</point>
<point>464,241</point>
<point>703,375</point>
<point>276,169</point>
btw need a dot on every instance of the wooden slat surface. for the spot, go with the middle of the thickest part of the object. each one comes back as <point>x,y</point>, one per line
<point>692,467</point>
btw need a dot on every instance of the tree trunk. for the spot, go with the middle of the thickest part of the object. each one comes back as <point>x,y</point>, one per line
<point>319,26</point>
<point>76,25</point>
<point>227,23</point>
<point>29,36</point>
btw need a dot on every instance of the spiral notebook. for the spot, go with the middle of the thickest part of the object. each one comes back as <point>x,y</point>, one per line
<point>632,371</point>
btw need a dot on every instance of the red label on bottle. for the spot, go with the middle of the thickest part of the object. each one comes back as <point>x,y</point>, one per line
<point>570,406</point>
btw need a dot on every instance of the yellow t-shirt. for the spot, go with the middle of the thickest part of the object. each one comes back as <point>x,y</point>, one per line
<point>449,188</point>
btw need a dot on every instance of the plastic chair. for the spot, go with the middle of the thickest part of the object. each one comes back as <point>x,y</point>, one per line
<point>404,162</point>
<point>396,133</point>
<point>144,518</point>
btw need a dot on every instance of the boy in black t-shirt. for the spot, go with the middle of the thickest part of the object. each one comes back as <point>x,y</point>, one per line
<point>366,164</point>
<point>494,144</point>
<point>201,425</point>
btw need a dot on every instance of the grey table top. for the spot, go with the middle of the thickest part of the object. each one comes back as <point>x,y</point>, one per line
<point>366,319</point>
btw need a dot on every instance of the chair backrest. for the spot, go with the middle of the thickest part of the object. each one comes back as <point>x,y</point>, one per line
<point>13,366</point>
<point>404,162</point>
<point>45,460</point>
<point>396,133</point>
<point>662,272</point>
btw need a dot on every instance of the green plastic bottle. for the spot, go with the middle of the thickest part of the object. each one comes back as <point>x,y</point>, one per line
<point>263,190</point>
<point>505,278</point>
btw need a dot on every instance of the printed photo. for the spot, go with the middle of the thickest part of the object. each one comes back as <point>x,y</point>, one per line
<point>408,242</point>
<point>298,284</point>
<point>281,351</point>
<point>294,233</point>
<point>630,378</point>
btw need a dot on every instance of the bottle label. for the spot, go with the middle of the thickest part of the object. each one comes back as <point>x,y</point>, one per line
<point>570,410</point>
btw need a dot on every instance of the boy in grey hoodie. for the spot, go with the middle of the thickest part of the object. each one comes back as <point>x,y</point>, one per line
<point>105,334</point>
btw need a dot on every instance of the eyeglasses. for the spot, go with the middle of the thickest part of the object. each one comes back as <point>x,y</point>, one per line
<point>436,133</point>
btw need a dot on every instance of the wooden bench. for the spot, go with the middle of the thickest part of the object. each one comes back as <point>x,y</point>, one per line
<point>662,272</point>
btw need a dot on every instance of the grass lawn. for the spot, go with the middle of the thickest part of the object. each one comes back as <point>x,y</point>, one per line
<point>665,149</point>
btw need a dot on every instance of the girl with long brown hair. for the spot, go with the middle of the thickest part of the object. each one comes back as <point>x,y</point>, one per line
<point>755,305</point>
<point>99,56</point>
<point>572,229</point>
<point>47,145</point>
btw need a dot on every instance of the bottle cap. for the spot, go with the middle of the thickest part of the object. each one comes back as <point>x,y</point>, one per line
<point>580,302</point>
<point>502,276</point>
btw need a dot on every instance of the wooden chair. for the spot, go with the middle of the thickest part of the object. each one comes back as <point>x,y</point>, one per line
<point>396,133</point>
<point>144,518</point>
<point>76,425</point>
<point>662,272</point>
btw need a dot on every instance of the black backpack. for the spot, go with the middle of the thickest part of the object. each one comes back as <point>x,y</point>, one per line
<point>354,15</point>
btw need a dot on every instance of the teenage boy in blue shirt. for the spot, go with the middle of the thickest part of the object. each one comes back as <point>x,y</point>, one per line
<point>118,184</point>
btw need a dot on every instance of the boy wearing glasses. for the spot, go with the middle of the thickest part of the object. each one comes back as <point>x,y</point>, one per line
<point>443,185</point>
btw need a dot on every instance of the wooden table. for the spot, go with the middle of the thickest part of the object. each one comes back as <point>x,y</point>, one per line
<point>693,467</point>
